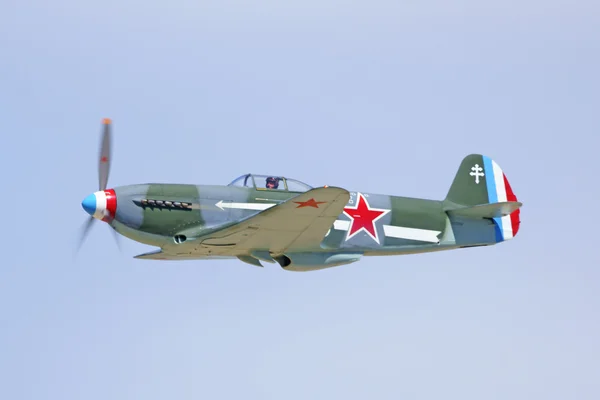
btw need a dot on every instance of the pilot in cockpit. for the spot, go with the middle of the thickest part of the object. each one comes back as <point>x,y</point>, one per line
<point>272,183</point>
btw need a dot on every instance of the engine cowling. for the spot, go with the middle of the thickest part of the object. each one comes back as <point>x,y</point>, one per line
<point>302,262</point>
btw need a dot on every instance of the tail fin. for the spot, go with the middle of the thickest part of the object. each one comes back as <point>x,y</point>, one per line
<point>479,183</point>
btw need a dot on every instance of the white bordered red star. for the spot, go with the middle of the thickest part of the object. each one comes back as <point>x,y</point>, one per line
<point>363,218</point>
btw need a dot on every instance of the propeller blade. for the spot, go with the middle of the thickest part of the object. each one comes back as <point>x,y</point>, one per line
<point>85,229</point>
<point>105,155</point>
<point>103,173</point>
<point>117,240</point>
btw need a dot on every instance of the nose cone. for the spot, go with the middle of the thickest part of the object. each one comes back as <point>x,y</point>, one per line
<point>89,204</point>
<point>101,205</point>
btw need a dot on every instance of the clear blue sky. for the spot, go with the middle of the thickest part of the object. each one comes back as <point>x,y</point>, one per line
<point>371,96</point>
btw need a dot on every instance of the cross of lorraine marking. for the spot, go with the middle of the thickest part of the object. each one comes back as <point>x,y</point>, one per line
<point>476,171</point>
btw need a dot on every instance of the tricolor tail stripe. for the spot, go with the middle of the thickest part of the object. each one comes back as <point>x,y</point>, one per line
<point>499,190</point>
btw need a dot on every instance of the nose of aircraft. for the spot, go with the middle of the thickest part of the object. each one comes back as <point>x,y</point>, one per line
<point>101,205</point>
<point>89,204</point>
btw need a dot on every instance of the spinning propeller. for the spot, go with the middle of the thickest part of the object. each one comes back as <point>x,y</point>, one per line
<point>101,205</point>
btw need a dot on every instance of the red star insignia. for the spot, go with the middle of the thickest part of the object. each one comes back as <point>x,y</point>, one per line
<point>104,159</point>
<point>363,218</point>
<point>309,203</point>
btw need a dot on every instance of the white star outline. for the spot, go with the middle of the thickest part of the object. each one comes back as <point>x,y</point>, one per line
<point>384,212</point>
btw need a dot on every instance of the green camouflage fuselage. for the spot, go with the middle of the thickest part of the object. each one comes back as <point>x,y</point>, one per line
<point>402,228</point>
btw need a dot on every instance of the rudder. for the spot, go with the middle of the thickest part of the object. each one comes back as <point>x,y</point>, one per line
<point>478,181</point>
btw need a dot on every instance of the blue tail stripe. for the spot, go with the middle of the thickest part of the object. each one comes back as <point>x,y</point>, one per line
<point>490,181</point>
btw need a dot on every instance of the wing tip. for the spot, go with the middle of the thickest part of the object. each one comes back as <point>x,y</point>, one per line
<point>152,255</point>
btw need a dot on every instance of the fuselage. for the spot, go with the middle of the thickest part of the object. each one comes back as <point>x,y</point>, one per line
<point>371,224</point>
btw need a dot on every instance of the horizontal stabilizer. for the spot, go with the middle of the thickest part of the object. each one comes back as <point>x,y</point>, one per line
<point>494,210</point>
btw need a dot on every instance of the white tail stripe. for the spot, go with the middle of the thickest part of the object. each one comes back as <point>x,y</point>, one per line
<point>499,179</point>
<point>501,195</point>
<point>398,232</point>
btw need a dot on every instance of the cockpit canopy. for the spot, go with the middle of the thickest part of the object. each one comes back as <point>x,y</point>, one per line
<point>270,182</point>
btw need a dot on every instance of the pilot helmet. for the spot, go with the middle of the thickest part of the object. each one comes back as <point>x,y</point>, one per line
<point>273,181</point>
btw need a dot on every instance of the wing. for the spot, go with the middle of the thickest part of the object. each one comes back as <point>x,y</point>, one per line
<point>299,223</point>
<point>160,255</point>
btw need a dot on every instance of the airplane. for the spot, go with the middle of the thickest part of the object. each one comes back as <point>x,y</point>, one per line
<point>276,219</point>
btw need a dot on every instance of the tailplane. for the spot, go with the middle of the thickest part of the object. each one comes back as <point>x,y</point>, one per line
<point>481,190</point>
<point>495,210</point>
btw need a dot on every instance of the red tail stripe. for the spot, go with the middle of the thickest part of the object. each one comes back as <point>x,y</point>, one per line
<point>514,217</point>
